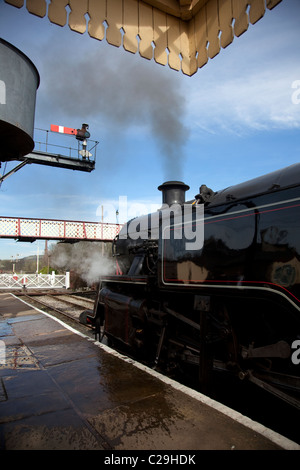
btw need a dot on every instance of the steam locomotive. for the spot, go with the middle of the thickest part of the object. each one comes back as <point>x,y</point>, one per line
<point>228,302</point>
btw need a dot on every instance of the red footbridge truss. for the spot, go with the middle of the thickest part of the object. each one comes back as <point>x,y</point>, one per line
<point>25,229</point>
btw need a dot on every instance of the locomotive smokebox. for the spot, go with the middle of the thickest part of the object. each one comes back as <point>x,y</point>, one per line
<point>173,192</point>
<point>19,81</point>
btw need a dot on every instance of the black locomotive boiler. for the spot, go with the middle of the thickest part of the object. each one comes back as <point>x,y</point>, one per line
<point>232,304</point>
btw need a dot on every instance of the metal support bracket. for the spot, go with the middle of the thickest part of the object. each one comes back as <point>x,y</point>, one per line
<point>11,172</point>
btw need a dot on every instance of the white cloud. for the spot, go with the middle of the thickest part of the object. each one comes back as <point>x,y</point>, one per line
<point>256,101</point>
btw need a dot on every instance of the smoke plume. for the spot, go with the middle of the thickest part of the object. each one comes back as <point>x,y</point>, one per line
<point>120,91</point>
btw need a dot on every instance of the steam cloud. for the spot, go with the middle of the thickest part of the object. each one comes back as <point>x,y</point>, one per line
<point>85,258</point>
<point>121,92</point>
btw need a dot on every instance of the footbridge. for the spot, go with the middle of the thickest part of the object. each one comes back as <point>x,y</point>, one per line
<point>25,229</point>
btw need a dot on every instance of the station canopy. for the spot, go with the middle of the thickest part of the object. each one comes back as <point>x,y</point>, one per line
<point>183,34</point>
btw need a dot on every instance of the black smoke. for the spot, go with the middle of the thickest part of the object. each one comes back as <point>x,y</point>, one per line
<point>120,92</point>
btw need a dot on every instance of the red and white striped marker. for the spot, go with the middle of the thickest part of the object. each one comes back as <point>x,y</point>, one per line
<point>63,130</point>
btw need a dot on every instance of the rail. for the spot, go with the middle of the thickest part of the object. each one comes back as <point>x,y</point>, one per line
<point>43,144</point>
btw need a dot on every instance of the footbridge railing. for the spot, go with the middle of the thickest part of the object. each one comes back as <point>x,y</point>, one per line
<point>25,229</point>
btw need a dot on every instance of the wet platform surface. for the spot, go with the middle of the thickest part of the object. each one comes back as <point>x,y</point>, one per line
<point>60,390</point>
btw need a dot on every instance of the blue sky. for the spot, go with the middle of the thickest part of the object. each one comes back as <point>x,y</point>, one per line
<point>235,119</point>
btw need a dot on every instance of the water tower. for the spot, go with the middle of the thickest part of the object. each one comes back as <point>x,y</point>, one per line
<point>19,81</point>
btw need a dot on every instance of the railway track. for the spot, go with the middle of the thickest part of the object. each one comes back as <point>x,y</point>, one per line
<point>67,305</point>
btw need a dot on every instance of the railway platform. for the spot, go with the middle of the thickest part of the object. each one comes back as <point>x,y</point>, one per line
<point>61,390</point>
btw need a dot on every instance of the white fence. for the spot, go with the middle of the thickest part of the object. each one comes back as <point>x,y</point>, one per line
<point>35,281</point>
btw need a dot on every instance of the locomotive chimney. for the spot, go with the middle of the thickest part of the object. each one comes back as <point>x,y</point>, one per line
<point>173,192</point>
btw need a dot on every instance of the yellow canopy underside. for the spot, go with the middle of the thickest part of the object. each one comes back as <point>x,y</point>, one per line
<point>183,34</point>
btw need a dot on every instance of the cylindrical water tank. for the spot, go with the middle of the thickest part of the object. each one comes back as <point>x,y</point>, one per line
<point>19,81</point>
